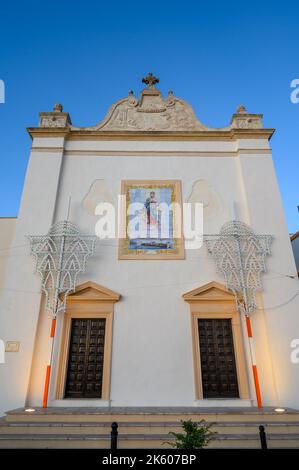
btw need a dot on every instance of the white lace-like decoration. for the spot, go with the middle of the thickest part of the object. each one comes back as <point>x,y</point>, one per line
<point>60,256</point>
<point>240,256</point>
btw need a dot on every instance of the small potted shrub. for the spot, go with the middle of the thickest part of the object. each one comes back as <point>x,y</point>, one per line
<point>196,435</point>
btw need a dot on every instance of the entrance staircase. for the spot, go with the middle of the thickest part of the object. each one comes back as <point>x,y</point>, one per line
<point>145,428</point>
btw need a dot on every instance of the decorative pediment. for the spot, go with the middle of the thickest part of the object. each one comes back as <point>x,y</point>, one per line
<point>149,113</point>
<point>211,291</point>
<point>91,291</point>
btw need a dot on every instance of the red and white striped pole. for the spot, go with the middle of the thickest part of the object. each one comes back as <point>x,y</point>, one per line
<point>249,329</point>
<point>253,362</point>
<point>48,368</point>
<point>53,324</point>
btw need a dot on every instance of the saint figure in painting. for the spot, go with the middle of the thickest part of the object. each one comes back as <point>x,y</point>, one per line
<point>151,209</point>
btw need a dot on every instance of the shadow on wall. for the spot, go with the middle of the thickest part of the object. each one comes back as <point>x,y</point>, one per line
<point>203,192</point>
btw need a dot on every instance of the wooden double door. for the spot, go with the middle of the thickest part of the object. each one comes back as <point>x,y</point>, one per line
<point>217,357</point>
<point>86,358</point>
<point>84,375</point>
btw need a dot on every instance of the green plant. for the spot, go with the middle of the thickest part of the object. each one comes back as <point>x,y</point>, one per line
<point>196,435</point>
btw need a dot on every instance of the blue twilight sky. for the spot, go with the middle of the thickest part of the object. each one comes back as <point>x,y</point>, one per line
<point>87,55</point>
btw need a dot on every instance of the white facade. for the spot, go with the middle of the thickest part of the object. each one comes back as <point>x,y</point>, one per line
<point>152,363</point>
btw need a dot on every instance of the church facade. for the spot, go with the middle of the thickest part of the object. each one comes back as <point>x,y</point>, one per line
<point>150,323</point>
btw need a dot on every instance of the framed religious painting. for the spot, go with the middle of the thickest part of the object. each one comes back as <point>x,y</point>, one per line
<point>151,220</point>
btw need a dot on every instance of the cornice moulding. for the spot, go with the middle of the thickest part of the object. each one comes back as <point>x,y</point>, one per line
<point>84,134</point>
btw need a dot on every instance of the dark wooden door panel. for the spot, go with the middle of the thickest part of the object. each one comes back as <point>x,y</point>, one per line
<point>217,356</point>
<point>86,358</point>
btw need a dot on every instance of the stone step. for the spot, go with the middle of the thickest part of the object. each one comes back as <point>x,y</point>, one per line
<point>138,441</point>
<point>119,415</point>
<point>139,427</point>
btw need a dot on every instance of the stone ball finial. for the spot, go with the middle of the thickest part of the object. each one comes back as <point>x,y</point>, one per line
<point>241,109</point>
<point>58,108</point>
<point>170,98</point>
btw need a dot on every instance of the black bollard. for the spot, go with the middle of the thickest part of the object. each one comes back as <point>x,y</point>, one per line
<point>114,434</point>
<point>263,437</point>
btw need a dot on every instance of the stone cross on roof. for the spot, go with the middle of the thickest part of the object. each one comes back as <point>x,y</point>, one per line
<point>150,80</point>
